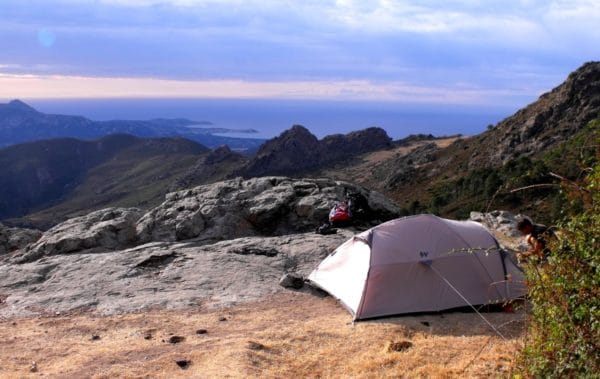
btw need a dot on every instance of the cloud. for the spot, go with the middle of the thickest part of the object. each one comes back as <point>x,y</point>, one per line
<point>497,45</point>
<point>34,86</point>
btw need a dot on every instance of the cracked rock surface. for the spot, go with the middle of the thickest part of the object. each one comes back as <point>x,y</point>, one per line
<point>168,275</point>
<point>211,245</point>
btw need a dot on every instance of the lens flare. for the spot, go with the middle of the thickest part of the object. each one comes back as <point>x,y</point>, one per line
<point>46,38</point>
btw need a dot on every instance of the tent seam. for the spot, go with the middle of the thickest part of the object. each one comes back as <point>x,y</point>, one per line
<point>439,220</point>
<point>362,296</point>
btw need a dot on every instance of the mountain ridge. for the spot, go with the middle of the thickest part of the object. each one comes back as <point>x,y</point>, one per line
<point>19,122</point>
<point>449,176</point>
<point>39,174</point>
<point>297,151</point>
<point>142,171</point>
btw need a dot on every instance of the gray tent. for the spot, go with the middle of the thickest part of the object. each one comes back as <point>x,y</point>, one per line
<point>418,264</point>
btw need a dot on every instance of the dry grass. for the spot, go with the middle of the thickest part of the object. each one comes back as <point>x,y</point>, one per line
<point>291,335</point>
<point>361,171</point>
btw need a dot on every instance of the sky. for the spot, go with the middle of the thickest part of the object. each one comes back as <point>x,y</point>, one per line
<point>503,53</point>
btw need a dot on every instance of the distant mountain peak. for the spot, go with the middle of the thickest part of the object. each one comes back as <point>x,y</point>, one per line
<point>297,150</point>
<point>19,105</point>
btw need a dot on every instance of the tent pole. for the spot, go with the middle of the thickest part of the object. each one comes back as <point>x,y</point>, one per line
<point>430,265</point>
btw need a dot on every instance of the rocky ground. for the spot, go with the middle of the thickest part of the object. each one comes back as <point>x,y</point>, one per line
<point>161,275</point>
<point>220,244</point>
<point>107,294</point>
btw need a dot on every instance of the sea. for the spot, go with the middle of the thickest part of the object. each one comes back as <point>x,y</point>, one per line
<point>270,117</point>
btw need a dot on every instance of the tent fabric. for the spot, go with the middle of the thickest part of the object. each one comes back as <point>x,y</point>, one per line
<point>388,269</point>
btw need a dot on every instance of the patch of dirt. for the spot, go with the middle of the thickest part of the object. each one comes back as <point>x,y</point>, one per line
<point>292,334</point>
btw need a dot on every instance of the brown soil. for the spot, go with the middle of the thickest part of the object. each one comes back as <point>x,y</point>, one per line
<point>292,334</point>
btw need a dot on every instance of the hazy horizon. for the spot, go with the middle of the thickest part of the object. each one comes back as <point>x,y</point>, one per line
<point>271,117</point>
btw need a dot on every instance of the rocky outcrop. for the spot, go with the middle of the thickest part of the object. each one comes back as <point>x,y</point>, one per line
<point>294,150</point>
<point>167,275</point>
<point>259,206</point>
<point>88,263</point>
<point>100,231</point>
<point>229,209</point>
<point>339,146</point>
<point>553,118</point>
<point>504,226</point>
<point>180,274</point>
<point>297,151</point>
<point>12,239</point>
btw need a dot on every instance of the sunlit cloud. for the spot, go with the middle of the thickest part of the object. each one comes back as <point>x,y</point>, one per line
<point>34,86</point>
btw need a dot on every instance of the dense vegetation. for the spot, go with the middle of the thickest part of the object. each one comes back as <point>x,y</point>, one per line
<point>563,337</point>
<point>529,185</point>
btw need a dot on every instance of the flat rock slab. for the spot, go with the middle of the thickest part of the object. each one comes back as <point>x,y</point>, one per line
<point>169,275</point>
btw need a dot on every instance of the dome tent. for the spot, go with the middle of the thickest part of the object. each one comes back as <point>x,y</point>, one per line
<point>418,263</point>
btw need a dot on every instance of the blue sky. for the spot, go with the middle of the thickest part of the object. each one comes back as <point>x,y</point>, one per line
<point>429,52</point>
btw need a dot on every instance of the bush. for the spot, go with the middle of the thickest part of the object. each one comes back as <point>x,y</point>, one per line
<point>563,338</point>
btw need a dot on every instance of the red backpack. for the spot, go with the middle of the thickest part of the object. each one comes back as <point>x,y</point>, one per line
<point>340,212</point>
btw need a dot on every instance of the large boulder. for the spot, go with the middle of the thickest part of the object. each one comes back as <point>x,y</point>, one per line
<point>103,230</point>
<point>259,206</point>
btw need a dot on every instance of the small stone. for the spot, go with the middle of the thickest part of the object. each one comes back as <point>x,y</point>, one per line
<point>292,280</point>
<point>256,346</point>
<point>176,339</point>
<point>398,346</point>
<point>426,323</point>
<point>222,318</point>
<point>183,363</point>
<point>147,336</point>
<point>201,331</point>
<point>95,337</point>
<point>33,367</point>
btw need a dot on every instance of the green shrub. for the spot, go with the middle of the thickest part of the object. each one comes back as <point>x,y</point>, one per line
<point>563,338</point>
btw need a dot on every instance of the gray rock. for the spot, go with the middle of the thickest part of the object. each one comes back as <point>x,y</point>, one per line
<point>103,230</point>
<point>503,224</point>
<point>213,245</point>
<point>12,239</point>
<point>291,280</point>
<point>170,275</point>
<point>502,221</point>
<point>259,206</point>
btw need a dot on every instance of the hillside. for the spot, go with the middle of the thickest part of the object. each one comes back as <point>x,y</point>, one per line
<point>126,171</point>
<point>487,171</point>
<point>21,123</point>
<point>77,176</point>
<point>446,176</point>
